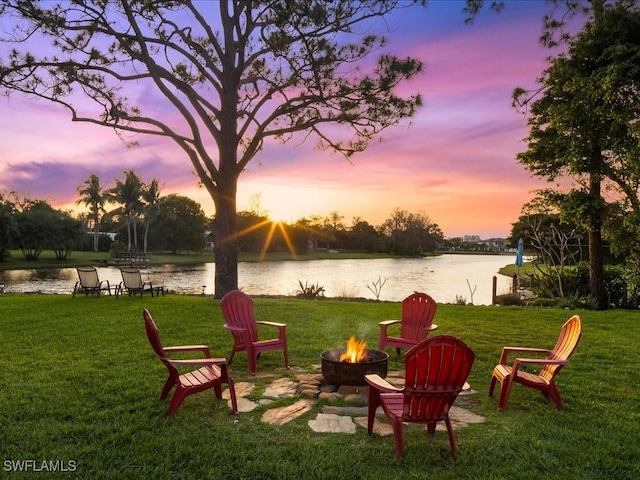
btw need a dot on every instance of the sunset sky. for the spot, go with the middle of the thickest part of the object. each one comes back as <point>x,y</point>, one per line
<point>455,162</point>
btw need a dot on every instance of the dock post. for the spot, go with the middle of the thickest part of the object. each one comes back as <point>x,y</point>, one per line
<point>494,290</point>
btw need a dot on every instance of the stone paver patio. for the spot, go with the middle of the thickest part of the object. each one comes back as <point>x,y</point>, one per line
<point>309,388</point>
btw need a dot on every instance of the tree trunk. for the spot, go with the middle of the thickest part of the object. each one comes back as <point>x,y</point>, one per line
<point>146,235</point>
<point>128,234</point>
<point>596,268</point>
<point>226,179</point>
<point>135,233</point>
<point>226,240</point>
<point>96,234</point>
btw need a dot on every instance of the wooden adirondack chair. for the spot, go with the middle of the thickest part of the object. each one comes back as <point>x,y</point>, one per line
<point>237,308</point>
<point>436,371</point>
<point>418,311</point>
<point>132,283</point>
<point>211,374</point>
<point>551,364</point>
<point>88,282</point>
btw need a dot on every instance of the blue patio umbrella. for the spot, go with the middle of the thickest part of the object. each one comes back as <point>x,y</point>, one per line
<point>520,254</point>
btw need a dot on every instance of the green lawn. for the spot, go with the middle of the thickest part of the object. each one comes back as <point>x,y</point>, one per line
<point>81,384</point>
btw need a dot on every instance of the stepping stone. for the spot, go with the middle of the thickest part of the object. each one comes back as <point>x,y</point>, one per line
<point>461,417</point>
<point>353,390</point>
<point>314,378</point>
<point>281,388</point>
<point>280,416</point>
<point>379,428</point>
<point>328,388</point>
<point>309,393</point>
<point>353,411</point>
<point>244,404</point>
<point>329,396</point>
<point>242,389</point>
<point>356,399</point>
<point>330,423</point>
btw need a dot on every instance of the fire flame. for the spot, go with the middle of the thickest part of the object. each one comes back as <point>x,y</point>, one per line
<point>355,351</point>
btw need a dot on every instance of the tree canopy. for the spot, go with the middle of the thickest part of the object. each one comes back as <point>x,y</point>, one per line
<point>179,224</point>
<point>228,76</point>
<point>584,126</point>
<point>93,196</point>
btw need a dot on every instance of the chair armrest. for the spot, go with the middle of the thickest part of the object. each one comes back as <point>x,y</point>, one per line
<point>507,350</point>
<point>388,322</point>
<point>536,361</point>
<point>240,335</point>
<point>282,329</point>
<point>188,348</point>
<point>379,383</point>
<point>233,328</point>
<point>221,362</point>
<point>272,324</point>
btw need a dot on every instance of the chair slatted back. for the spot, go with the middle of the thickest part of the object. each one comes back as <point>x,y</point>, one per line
<point>418,311</point>
<point>88,277</point>
<point>132,278</point>
<point>568,340</point>
<point>153,335</point>
<point>238,311</point>
<point>154,339</point>
<point>436,370</point>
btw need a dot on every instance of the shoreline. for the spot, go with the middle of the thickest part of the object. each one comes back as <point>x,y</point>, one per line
<point>47,259</point>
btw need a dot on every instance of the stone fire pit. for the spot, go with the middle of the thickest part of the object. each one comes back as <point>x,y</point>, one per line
<point>347,373</point>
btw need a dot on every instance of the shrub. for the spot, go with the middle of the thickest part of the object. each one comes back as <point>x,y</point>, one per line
<point>309,291</point>
<point>575,286</point>
<point>509,300</point>
<point>460,300</point>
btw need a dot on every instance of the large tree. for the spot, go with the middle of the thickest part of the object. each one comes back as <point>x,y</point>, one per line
<point>179,225</point>
<point>232,74</point>
<point>8,227</point>
<point>128,194</point>
<point>94,197</point>
<point>41,227</point>
<point>584,123</point>
<point>150,196</point>
<point>411,233</point>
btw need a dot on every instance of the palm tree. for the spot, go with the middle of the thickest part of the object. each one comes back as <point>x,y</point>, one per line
<point>127,194</point>
<point>150,196</point>
<point>93,196</point>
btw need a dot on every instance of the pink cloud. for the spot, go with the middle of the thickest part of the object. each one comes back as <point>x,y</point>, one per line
<point>456,162</point>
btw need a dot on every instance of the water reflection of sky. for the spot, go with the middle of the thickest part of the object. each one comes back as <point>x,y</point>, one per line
<point>445,277</point>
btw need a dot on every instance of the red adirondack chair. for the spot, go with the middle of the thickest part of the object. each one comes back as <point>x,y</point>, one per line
<point>436,371</point>
<point>550,365</point>
<point>238,312</point>
<point>418,311</point>
<point>211,374</point>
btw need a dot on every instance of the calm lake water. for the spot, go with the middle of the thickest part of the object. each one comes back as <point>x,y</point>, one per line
<point>444,277</point>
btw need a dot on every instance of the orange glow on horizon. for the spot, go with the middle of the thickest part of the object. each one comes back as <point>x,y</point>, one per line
<point>277,225</point>
<point>273,226</point>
